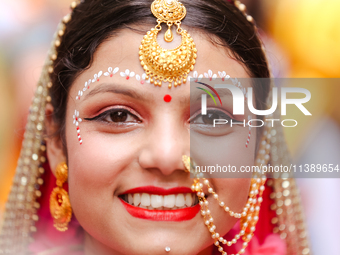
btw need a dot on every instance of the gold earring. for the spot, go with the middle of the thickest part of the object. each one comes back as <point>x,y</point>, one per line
<point>60,205</point>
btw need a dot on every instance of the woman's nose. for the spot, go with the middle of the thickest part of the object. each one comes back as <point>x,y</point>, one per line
<point>165,144</point>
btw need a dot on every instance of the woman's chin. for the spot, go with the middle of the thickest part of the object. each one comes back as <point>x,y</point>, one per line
<point>155,237</point>
<point>151,231</point>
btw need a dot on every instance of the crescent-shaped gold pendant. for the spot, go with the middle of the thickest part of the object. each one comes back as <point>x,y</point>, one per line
<point>163,65</point>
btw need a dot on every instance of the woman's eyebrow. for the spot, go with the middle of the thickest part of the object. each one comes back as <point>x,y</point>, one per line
<point>196,95</point>
<point>117,89</point>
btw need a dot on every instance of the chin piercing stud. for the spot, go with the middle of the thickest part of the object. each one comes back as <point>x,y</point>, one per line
<point>167,249</point>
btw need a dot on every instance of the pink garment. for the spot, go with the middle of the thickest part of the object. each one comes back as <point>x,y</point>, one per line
<point>273,245</point>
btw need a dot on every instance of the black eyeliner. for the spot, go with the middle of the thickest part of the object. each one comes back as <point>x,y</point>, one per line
<point>98,116</point>
<point>108,112</point>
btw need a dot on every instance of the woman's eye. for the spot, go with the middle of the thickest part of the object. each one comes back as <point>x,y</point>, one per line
<point>208,119</point>
<point>118,116</point>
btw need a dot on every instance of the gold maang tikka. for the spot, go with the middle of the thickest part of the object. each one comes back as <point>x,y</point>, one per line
<point>160,64</point>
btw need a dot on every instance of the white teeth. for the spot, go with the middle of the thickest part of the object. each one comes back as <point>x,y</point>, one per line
<point>169,201</point>
<point>156,201</point>
<point>145,200</point>
<point>188,199</point>
<point>130,199</point>
<point>136,199</point>
<point>180,200</point>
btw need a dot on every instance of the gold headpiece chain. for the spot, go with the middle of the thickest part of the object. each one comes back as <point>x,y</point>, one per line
<point>162,65</point>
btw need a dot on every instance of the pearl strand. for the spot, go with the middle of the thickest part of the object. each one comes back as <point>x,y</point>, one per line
<point>56,43</point>
<point>250,214</point>
<point>226,208</point>
<point>248,223</point>
<point>242,7</point>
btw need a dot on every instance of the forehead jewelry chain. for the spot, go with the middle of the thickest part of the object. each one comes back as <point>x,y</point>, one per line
<point>162,65</point>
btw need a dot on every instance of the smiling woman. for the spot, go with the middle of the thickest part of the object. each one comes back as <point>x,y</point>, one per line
<point>114,103</point>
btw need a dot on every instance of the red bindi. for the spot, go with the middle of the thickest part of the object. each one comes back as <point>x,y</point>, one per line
<point>167,98</point>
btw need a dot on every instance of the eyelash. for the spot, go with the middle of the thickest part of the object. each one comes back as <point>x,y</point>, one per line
<point>209,111</point>
<point>102,116</point>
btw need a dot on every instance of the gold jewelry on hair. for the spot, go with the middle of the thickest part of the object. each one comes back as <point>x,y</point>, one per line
<point>60,205</point>
<point>162,65</point>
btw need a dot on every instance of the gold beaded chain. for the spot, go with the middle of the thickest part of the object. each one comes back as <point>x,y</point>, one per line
<point>250,214</point>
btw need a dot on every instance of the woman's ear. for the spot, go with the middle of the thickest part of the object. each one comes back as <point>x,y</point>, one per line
<point>54,145</point>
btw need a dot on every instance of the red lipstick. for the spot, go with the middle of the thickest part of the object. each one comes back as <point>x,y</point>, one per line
<point>161,215</point>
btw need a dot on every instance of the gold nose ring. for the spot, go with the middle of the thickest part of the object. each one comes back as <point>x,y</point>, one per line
<point>186,162</point>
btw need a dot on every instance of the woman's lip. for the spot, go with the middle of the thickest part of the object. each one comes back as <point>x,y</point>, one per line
<point>162,215</point>
<point>158,191</point>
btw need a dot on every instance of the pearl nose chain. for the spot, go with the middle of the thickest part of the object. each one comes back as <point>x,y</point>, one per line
<point>249,216</point>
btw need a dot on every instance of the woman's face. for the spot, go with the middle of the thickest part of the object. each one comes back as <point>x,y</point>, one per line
<point>132,147</point>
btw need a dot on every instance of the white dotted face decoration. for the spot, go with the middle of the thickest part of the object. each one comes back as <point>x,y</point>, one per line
<point>76,121</point>
<point>127,74</point>
<point>110,73</point>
